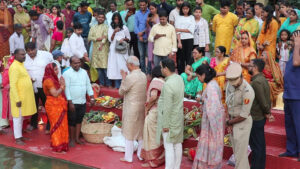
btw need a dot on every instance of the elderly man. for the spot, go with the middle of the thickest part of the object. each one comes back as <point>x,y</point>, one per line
<point>21,94</point>
<point>77,86</point>
<point>58,57</point>
<point>170,115</point>
<point>35,63</point>
<point>239,99</point>
<point>133,89</point>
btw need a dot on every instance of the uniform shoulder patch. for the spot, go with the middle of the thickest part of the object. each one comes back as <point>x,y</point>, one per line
<point>246,101</point>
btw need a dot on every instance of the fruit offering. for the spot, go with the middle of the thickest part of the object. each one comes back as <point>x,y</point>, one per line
<point>108,101</point>
<point>101,117</point>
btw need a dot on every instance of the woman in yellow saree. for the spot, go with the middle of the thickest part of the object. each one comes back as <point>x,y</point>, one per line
<point>274,76</point>
<point>220,63</point>
<point>56,108</point>
<point>244,53</point>
<point>23,18</point>
<point>249,24</point>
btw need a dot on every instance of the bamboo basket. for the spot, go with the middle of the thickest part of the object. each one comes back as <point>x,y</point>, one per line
<point>95,132</point>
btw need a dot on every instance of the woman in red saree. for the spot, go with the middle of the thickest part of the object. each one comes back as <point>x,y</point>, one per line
<point>243,53</point>
<point>274,76</point>
<point>6,29</point>
<point>56,108</point>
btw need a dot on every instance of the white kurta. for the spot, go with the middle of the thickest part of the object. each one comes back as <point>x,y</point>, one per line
<point>116,61</point>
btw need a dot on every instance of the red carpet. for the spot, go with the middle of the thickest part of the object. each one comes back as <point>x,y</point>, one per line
<point>101,156</point>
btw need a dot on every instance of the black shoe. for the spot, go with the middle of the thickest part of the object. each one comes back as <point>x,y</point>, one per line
<point>286,154</point>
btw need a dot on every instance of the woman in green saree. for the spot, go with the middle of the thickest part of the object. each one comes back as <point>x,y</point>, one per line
<point>191,82</point>
<point>21,17</point>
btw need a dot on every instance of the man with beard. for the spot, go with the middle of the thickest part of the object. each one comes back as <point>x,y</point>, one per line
<point>208,11</point>
<point>260,110</point>
<point>175,12</point>
<point>69,13</point>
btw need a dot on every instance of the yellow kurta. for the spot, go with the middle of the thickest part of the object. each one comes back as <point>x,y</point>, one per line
<point>223,26</point>
<point>99,57</point>
<point>21,89</point>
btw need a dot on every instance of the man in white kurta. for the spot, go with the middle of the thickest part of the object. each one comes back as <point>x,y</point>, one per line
<point>133,89</point>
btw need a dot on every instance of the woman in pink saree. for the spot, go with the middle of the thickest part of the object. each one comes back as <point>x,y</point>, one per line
<point>152,153</point>
<point>5,85</point>
<point>209,153</point>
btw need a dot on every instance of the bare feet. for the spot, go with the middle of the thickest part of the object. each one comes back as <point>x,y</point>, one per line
<point>2,132</point>
<point>47,132</point>
<point>25,139</point>
<point>79,142</point>
<point>72,144</point>
<point>145,165</point>
<point>20,142</point>
<point>122,159</point>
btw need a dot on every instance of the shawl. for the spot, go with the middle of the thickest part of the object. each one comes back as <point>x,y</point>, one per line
<point>274,69</point>
<point>50,74</point>
<point>156,84</point>
<point>43,29</point>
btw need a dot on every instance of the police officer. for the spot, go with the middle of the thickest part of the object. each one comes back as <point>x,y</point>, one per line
<point>239,98</point>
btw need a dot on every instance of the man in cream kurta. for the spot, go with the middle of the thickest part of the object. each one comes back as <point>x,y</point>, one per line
<point>170,115</point>
<point>21,94</point>
<point>133,89</point>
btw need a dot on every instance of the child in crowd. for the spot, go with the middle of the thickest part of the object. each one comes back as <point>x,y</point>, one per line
<point>283,49</point>
<point>57,37</point>
<point>201,34</point>
<point>16,40</point>
<point>77,43</point>
<point>66,49</point>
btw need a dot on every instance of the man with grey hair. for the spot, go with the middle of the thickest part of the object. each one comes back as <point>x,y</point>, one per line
<point>16,40</point>
<point>133,89</point>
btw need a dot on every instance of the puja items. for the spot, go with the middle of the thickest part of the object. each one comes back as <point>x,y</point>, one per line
<point>97,125</point>
<point>192,122</point>
<point>190,153</point>
<point>108,101</point>
<point>227,141</point>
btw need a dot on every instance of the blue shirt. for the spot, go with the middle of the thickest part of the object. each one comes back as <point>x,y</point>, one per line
<point>77,85</point>
<point>140,22</point>
<point>291,80</point>
<point>84,20</point>
<point>130,21</point>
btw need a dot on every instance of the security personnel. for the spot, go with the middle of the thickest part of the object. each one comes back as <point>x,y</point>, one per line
<point>239,99</point>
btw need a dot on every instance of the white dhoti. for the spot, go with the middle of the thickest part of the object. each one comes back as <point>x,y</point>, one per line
<point>129,149</point>
<point>173,153</point>
<point>18,124</point>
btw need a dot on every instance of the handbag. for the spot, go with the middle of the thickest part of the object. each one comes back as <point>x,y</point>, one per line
<point>121,47</point>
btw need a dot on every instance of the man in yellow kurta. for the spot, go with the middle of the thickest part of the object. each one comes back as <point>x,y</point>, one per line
<point>98,34</point>
<point>21,94</point>
<point>223,25</point>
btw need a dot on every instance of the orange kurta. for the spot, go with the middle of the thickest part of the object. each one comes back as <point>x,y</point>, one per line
<point>56,108</point>
<point>269,36</point>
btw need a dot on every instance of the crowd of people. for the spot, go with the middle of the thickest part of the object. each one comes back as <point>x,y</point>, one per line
<point>237,64</point>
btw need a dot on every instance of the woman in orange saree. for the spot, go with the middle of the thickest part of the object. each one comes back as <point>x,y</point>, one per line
<point>244,53</point>
<point>220,63</point>
<point>6,29</point>
<point>274,76</point>
<point>56,108</point>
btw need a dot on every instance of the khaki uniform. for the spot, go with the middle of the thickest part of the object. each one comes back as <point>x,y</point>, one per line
<point>239,101</point>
